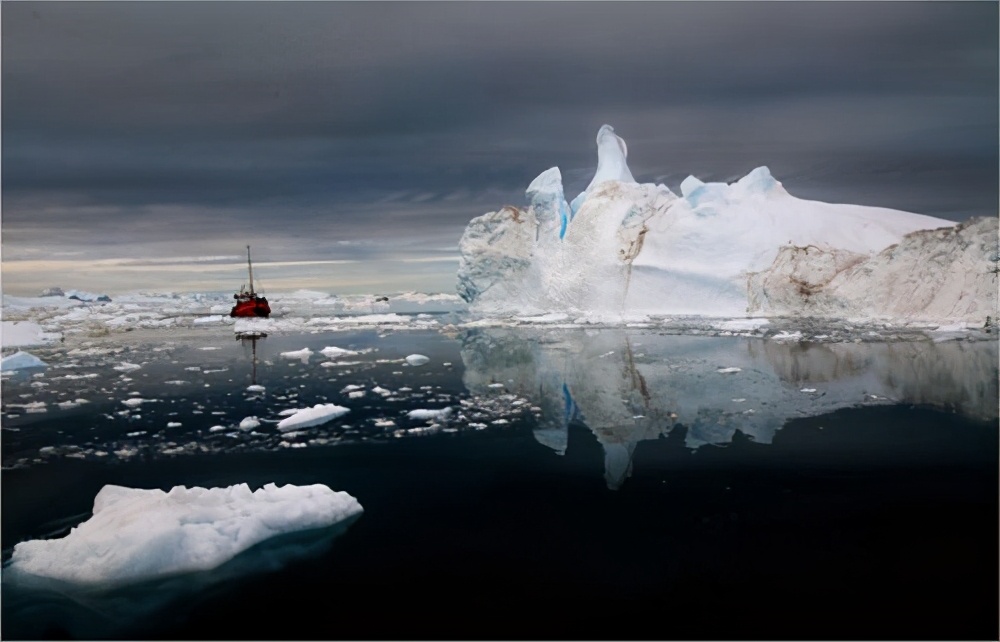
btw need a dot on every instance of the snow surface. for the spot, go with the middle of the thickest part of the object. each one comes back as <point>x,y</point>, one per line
<point>138,534</point>
<point>631,249</point>
<point>14,334</point>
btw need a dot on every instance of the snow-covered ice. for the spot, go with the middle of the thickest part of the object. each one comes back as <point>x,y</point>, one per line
<point>417,360</point>
<point>138,534</point>
<point>16,334</point>
<point>307,417</point>
<point>624,250</point>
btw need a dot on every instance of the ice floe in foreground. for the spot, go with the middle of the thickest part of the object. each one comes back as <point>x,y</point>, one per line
<point>138,534</point>
<point>20,360</point>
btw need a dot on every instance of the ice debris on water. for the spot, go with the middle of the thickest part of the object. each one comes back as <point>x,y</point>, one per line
<point>417,359</point>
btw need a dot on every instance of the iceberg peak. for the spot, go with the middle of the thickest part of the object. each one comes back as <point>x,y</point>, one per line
<point>611,154</point>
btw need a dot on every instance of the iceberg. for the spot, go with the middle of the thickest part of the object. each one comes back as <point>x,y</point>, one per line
<point>20,360</point>
<point>139,534</point>
<point>630,249</point>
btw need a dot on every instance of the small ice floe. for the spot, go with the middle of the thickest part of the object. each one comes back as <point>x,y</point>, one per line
<point>174,424</point>
<point>728,370</point>
<point>787,336</point>
<point>747,325</point>
<point>125,366</point>
<point>32,406</point>
<point>21,360</point>
<point>739,400</point>
<point>808,390</point>
<point>417,359</point>
<point>138,534</point>
<point>350,388</point>
<point>495,385</point>
<point>135,402</point>
<point>333,352</point>
<point>356,394</point>
<point>216,429</point>
<point>66,405</point>
<point>256,388</point>
<point>215,318</point>
<point>430,415</point>
<point>384,423</point>
<point>379,390</point>
<point>249,423</point>
<point>302,354</point>
<point>318,414</point>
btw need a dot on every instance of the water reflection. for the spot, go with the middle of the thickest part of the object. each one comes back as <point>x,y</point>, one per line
<point>627,386</point>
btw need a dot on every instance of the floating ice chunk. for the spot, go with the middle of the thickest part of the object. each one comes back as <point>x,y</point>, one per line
<point>728,370</point>
<point>357,394</point>
<point>808,390</point>
<point>216,429</point>
<point>174,424</point>
<point>352,387</point>
<point>137,534</point>
<point>417,359</point>
<point>135,402</point>
<point>333,351</point>
<point>256,388</point>
<point>302,354</point>
<point>20,360</point>
<point>379,390</point>
<point>249,423</point>
<point>787,336</point>
<point>127,367</point>
<point>215,318</point>
<point>435,415</point>
<point>318,414</point>
<point>65,405</point>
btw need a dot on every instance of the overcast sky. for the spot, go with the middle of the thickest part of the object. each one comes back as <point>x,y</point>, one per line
<point>350,143</point>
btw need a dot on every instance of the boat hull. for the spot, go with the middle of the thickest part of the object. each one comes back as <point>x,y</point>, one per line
<point>256,307</point>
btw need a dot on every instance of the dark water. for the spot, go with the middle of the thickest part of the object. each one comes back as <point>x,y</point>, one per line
<point>639,501</point>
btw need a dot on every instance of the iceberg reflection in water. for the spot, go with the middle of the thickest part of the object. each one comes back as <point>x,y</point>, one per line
<point>628,385</point>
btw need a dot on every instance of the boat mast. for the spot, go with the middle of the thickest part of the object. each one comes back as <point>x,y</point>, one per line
<point>250,268</point>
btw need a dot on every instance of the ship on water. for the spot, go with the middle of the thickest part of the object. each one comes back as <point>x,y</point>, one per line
<point>248,302</point>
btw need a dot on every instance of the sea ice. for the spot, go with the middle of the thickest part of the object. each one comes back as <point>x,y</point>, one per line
<point>20,360</point>
<point>16,334</point>
<point>424,414</point>
<point>138,534</point>
<point>318,414</point>
<point>416,359</point>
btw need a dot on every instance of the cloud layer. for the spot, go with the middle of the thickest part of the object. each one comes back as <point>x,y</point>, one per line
<point>134,129</point>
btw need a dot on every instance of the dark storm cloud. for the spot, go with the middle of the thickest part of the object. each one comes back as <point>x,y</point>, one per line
<point>375,119</point>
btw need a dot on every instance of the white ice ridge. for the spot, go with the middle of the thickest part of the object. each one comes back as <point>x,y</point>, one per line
<point>307,417</point>
<point>632,249</point>
<point>138,534</point>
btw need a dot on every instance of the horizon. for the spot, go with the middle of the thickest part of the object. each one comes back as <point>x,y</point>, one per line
<point>146,144</point>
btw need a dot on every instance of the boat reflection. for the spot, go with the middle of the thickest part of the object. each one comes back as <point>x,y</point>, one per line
<point>628,385</point>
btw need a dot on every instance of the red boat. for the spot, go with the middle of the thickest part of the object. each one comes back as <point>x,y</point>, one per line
<point>249,304</point>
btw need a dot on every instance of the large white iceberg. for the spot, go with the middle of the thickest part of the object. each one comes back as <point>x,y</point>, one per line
<point>138,534</point>
<point>623,248</point>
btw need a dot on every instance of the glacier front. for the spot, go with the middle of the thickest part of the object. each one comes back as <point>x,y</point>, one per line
<point>624,250</point>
